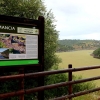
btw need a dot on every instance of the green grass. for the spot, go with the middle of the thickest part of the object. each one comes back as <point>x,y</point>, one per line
<point>80,59</point>
<point>91,96</point>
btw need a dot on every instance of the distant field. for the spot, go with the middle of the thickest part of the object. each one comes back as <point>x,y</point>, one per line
<point>80,59</point>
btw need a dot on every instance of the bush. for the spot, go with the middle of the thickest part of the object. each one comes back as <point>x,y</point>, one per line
<point>57,92</point>
<point>96,53</point>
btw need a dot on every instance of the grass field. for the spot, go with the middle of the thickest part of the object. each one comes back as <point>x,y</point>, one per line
<point>80,59</point>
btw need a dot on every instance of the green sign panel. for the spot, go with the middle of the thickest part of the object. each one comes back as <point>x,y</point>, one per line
<point>18,62</point>
<point>18,44</point>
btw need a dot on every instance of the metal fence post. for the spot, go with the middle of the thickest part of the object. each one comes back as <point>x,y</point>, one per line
<point>70,79</point>
<point>21,83</point>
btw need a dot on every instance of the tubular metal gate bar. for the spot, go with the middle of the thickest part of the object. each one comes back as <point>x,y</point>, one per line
<point>52,86</point>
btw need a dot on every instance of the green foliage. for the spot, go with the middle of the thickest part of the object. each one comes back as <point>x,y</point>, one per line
<point>51,36</point>
<point>22,8</point>
<point>57,92</point>
<point>9,86</point>
<point>65,48</point>
<point>53,79</point>
<point>96,53</point>
<point>72,42</point>
<point>77,44</point>
<point>33,9</point>
<point>90,96</point>
<point>82,86</point>
<point>86,97</point>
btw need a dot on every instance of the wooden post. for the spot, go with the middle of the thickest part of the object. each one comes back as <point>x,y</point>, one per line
<point>41,56</point>
<point>70,79</point>
<point>21,83</point>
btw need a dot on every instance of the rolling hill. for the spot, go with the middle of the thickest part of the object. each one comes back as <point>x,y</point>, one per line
<point>69,45</point>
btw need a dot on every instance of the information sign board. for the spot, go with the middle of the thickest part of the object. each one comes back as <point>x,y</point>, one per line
<point>18,43</point>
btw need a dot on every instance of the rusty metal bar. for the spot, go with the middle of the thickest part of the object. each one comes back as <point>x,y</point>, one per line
<point>5,95</point>
<point>70,79</point>
<point>12,94</point>
<point>77,94</point>
<point>37,74</point>
<point>60,84</point>
<point>44,87</point>
<point>45,73</point>
<point>11,77</point>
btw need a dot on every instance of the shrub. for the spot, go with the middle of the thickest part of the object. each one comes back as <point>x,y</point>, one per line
<point>57,92</point>
<point>96,53</point>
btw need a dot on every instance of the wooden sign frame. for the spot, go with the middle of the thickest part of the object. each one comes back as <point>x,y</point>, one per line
<point>25,23</point>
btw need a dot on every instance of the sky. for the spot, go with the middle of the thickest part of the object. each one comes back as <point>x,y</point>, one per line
<point>3,49</point>
<point>76,19</point>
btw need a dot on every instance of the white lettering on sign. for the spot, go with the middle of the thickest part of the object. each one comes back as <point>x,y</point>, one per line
<point>7,27</point>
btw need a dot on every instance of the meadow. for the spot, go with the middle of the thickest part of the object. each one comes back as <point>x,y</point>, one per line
<point>78,59</point>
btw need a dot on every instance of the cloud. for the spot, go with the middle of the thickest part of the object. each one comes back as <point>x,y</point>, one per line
<point>78,19</point>
<point>83,36</point>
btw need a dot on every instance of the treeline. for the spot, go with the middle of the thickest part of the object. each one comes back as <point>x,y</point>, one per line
<point>64,48</point>
<point>73,44</point>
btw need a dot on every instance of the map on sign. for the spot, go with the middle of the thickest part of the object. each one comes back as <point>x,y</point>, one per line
<point>20,45</point>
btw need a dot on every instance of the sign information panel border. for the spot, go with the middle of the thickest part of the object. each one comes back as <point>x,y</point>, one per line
<point>20,41</point>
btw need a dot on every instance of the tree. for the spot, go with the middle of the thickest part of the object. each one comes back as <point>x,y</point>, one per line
<point>96,53</point>
<point>22,8</point>
<point>33,9</point>
<point>51,37</point>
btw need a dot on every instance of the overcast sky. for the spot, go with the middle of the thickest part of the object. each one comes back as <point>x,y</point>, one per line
<point>76,19</point>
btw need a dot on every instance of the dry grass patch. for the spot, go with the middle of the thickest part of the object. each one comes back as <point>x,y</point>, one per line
<point>80,59</point>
